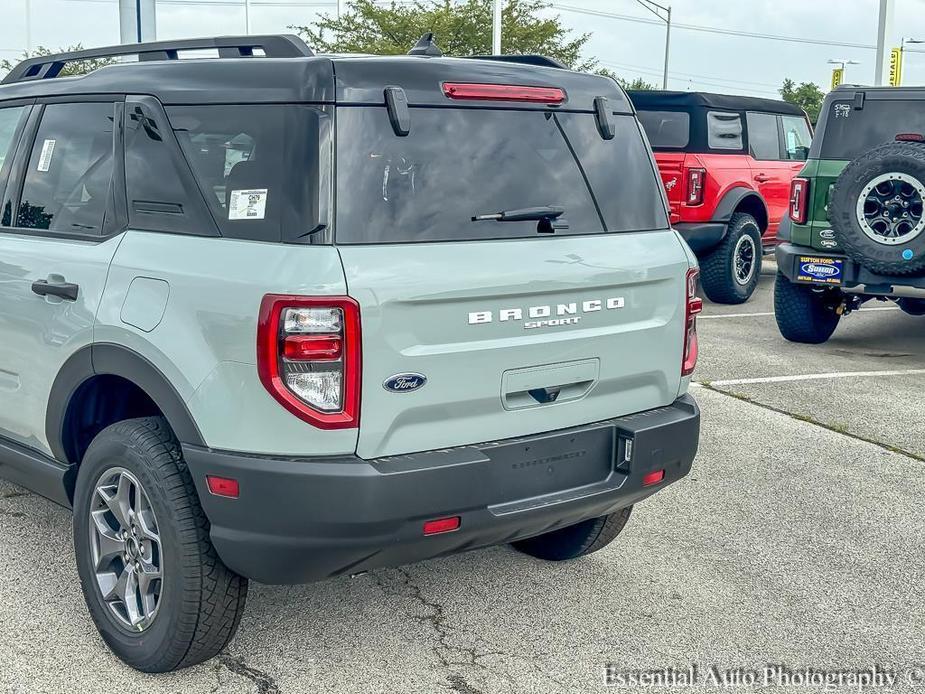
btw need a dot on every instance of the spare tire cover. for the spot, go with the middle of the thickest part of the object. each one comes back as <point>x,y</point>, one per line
<point>877,212</point>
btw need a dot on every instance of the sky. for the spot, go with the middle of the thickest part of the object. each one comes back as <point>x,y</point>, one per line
<point>728,63</point>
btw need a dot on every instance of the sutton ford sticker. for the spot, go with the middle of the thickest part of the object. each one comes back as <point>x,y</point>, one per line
<point>820,270</point>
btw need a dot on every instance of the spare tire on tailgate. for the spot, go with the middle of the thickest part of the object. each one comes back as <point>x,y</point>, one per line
<point>877,212</point>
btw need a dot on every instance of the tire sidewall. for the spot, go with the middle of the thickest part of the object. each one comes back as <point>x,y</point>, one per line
<point>744,225</point>
<point>111,450</point>
<point>902,158</point>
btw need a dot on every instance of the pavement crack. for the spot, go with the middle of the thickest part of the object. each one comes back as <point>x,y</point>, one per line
<point>13,495</point>
<point>459,684</point>
<point>265,683</point>
<point>834,428</point>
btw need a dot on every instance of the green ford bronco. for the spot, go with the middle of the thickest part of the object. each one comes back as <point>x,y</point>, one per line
<point>856,230</point>
<point>280,316</point>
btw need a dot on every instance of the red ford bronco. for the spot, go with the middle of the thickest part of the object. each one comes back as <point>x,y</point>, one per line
<point>727,163</point>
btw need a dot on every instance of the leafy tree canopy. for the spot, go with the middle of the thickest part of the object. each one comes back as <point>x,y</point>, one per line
<point>807,95</point>
<point>460,28</point>
<point>80,67</point>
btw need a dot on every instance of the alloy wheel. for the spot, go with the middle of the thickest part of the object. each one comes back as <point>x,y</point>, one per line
<point>743,259</point>
<point>126,549</point>
<point>890,209</point>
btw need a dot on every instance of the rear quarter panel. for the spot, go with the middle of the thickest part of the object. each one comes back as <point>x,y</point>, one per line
<point>724,172</point>
<point>205,344</point>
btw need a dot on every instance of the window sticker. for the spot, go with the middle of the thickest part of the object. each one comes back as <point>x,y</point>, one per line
<point>248,204</point>
<point>48,148</point>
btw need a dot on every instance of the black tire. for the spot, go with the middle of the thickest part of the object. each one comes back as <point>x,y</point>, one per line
<point>913,307</point>
<point>803,313</point>
<point>906,258</point>
<point>718,274</point>
<point>200,600</point>
<point>576,540</point>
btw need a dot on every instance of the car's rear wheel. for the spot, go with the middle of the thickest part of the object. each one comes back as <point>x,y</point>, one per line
<point>729,273</point>
<point>576,540</point>
<point>158,593</point>
<point>804,313</point>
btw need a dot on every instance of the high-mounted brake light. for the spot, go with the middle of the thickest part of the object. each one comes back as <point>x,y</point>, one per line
<point>799,200</point>
<point>910,137</point>
<point>693,306</point>
<point>696,178</point>
<point>503,92</point>
<point>308,357</point>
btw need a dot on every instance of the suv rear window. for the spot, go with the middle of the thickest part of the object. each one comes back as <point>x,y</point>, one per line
<point>257,166</point>
<point>458,163</point>
<point>849,133</point>
<point>666,129</point>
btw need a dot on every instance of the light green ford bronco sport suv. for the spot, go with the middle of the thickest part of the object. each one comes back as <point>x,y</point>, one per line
<point>278,316</point>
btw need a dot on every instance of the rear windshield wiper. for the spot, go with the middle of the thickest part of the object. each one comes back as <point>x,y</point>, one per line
<point>525,214</point>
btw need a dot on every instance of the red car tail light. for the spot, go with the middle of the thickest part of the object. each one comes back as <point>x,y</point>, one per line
<point>693,306</point>
<point>308,357</point>
<point>799,200</point>
<point>696,178</point>
<point>503,92</point>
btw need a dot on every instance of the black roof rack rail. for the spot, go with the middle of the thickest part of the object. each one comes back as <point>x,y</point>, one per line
<point>272,46</point>
<point>539,60</point>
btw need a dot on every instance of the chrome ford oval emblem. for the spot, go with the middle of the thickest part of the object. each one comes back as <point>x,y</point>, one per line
<point>404,383</point>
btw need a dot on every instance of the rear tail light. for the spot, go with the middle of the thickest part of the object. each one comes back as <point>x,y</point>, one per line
<point>693,306</point>
<point>910,137</point>
<point>503,92</point>
<point>799,200</point>
<point>308,357</point>
<point>695,182</point>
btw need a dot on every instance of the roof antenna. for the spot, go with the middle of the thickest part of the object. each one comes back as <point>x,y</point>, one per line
<point>426,46</point>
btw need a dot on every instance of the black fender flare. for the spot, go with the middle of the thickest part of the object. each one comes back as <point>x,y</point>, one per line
<point>112,359</point>
<point>735,197</point>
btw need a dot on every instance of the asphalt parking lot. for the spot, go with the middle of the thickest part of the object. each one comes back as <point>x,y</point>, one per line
<point>798,540</point>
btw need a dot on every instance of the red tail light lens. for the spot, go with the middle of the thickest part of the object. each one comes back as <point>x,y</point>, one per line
<point>910,137</point>
<point>799,200</point>
<point>503,92</point>
<point>694,305</point>
<point>696,178</point>
<point>308,357</point>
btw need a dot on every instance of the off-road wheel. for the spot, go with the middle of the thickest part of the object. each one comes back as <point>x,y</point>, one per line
<point>877,209</point>
<point>729,273</point>
<point>576,540</point>
<point>804,313</point>
<point>158,593</point>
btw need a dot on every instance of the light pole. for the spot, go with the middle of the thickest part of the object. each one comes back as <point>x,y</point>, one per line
<point>842,64</point>
<point>902,51</point>
<point>496,27</point>
<point>657,10</point>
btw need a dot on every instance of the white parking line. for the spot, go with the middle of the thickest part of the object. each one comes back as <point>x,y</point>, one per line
<point>771,313</point>
<point>815,377</point>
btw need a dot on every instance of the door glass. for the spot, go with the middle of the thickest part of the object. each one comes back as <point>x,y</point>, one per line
<point>9,123</point>
<point>70,170</point>
<point>763,139</point>
<point>797,138</point>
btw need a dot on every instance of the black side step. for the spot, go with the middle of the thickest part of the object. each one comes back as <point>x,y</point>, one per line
<point>36,472</point>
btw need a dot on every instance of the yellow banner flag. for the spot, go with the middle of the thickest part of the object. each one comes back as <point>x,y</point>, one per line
<point>896,67</point>
<point>838,77</point>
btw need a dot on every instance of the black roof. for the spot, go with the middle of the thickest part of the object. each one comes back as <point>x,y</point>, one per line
<point>314,79</point>
<point>727,102</point>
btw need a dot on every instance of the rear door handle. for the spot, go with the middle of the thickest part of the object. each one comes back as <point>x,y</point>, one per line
<point>761,178</point>
<point>64,290</point>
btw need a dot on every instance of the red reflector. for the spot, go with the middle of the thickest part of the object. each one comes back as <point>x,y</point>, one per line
<point>910,137</point>
<point>312,347</point>
<point>653,478</point>
<point>223,486</point>
<point>441,525</point>
<point>503,92</point>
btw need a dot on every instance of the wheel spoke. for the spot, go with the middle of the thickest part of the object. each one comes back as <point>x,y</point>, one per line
<point>147,575</point>
<point>130,597</point>
<point>109,545</point>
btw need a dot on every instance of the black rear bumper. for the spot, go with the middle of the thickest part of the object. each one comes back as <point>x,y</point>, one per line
<point>790,257</point>
<point>302,520</point>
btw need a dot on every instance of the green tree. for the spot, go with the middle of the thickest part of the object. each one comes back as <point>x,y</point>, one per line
<point>460,27</point>
<point>79,67</point>
<point>807,95</point>
<point>637,84</point>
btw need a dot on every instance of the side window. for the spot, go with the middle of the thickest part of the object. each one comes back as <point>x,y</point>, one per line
<point>160,196</point>
<point>797,138</point>
<point>763,137</point>
<point>67,182</point>
<point>10,120</point>
<point>724,130</point>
